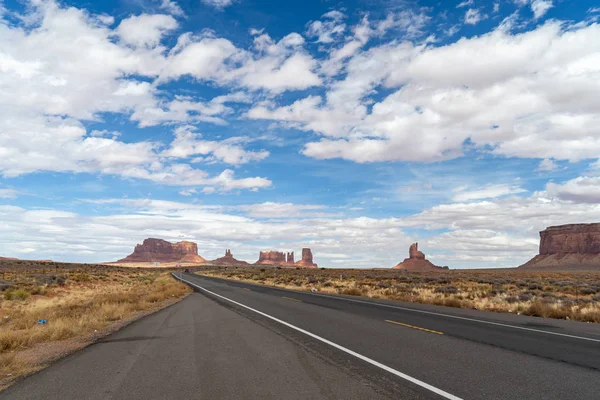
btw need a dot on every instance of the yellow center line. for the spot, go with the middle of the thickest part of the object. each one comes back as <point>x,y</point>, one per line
<point>289,298</point>
<point>414,327</point>
<point>245,288</point>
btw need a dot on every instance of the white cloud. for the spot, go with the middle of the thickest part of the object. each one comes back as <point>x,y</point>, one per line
<point>329,29</point>
<point>496,7</point>
<point>540,7</point>
<point>486,192</point>
<point>218,4</point>
<point>593,10</point>
<point>188,143</point>
<point>123,223</point>
<point>529,94</point>
<point>473,16</point>
<point>583,189</point>
<point>284,210</point>
<point>465,3</point>
<point>146,30</point>
<point>8,193</point>
<point>188,192</point>
<point>547,164</point>
<point>172,7</point>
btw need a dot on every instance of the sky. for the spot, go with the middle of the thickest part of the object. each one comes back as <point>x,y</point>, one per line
<point>354,128</point>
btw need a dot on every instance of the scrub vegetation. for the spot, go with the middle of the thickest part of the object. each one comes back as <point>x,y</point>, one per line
<point>573,295</point>
<point>48,310</point>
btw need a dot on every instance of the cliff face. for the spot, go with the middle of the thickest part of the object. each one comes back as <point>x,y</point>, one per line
<point>573,238</point>
<point>271,257</point>
<point>158,250</point>
<point>416,261</point>
<point>568,246</point>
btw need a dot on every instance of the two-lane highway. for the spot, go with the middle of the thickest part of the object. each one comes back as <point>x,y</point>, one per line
<point>233,340</point>
<point>465,353</point>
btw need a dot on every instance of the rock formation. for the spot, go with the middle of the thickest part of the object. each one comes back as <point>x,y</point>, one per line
<point>568,246</point>
<point>158,250</point>
<point>416,261</point>
<point>227,259</point>
<point>307,259</point>
<point>8,259</point>
<point>280,258</point>
<point>271,257</point>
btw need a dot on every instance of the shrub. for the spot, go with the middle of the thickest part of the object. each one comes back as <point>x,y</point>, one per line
<point>352,291</point>
<point>587,290</point>
<point>512,299</point>
<point>446,290</point>
<point>524,297</point>
<point>19,294</point>
<point>535,286</point>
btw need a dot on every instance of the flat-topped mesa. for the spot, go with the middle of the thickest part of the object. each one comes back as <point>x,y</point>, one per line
<point>416,261</point>
<point>271,257</point>
<point>227,259</point>
<point>158,250</point>
<point>289,258</point>
<point>307,259</point>
<point>568,246</point>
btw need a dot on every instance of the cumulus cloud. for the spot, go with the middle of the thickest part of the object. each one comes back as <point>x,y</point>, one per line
<point>583,189</point>
<point>53,84</point>
<point>329,29</point>
<point>188,143</point>
<point>145,30</point>
<point>528,94</point>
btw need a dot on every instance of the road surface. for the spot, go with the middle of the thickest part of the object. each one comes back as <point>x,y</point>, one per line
<point>232,340</point>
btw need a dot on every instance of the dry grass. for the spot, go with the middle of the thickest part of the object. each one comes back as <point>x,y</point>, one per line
<point>77,303</point>
<point>573,295</point>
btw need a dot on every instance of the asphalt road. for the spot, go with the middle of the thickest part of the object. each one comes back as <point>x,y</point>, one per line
<point>232,340</point>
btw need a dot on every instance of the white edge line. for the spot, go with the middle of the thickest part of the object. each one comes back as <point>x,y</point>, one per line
<point>443,315</point>
<point>399,374</point>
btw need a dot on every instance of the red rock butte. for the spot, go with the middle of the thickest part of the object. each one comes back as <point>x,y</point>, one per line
<point>416,261</point>
<point>158,250</point>
<point>568,246</point>
<point>273,257</point>
<point>227,259</point>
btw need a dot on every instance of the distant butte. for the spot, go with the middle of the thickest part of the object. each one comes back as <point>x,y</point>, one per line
<point>273,257</point>
<point>158,250</point>
<point>573,246</point>
<point>416,261</point>
<point>227,259</point>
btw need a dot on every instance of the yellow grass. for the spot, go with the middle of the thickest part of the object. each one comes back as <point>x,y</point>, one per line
<point>86,304</point>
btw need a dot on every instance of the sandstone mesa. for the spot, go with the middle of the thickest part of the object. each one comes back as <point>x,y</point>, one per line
<point>568,246</point>
<point>272,257</point>
<point>159,250</point>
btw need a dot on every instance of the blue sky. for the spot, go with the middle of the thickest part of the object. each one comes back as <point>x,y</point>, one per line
<point>352,127</point>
